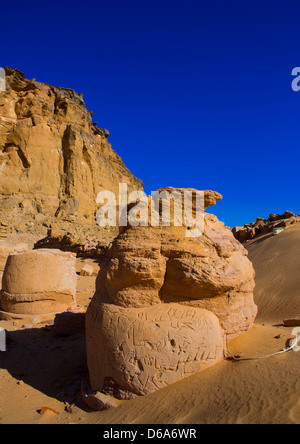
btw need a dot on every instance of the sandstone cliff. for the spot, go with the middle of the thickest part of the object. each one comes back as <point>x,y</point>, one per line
<point>53,159</point>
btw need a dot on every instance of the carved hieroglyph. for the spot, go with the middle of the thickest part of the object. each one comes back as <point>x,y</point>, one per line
<point>147,348</point>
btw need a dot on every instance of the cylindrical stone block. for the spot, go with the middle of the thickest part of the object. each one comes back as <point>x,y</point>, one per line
<point>38,282</point>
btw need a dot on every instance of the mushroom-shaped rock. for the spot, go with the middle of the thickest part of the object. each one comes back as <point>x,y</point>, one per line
<point>165,303</point>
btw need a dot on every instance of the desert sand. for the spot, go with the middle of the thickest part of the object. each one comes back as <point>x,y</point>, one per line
<point>49,368</point>
<point>277,262</point>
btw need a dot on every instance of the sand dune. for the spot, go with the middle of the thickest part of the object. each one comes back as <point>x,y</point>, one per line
<point>276,260</point>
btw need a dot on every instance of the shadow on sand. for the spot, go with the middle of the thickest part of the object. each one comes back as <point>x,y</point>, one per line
<point>259,239</point>
<point>49,363</point>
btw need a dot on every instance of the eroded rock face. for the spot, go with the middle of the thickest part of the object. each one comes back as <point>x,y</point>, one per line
<point>39,282</point>
<point>145,349</point>
<point>165,302</point>
<point>53,159</point>
<point>263,226</point>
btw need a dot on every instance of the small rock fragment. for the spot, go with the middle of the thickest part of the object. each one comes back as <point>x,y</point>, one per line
<point>87,270</point>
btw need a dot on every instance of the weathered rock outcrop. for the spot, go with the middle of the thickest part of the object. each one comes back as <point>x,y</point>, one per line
<point>264,226</point>
<point>38,282</point>
<point>53,159</point>
<point>85,240</point>
<point>165,302</point>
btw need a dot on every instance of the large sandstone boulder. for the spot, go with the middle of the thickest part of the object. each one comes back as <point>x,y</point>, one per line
<point>39,282</point>
<point>165,303</point>
<point>145,349</point>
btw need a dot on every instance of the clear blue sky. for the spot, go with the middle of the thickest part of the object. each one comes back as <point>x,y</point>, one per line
<point>194,93</point>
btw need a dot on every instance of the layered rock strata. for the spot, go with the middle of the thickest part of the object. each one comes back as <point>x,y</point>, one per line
<point>53,159</point>
<point>165,303</point>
